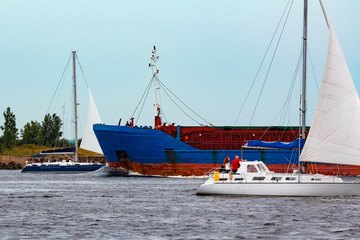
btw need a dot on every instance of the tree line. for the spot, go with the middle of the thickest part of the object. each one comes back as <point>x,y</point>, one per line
<point>46,133</point>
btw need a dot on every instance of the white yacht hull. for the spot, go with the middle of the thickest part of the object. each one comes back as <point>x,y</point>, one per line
<point>280,189</point>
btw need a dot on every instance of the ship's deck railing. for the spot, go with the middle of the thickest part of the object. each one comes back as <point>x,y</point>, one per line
<point>211,171</point>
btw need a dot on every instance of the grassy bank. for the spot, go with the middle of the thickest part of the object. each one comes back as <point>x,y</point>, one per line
<point>24,150</point>
<point>15,158</point>
<point>31,149</point>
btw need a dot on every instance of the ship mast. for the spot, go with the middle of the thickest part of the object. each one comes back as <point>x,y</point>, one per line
<point>75,108</point>
<point>154,59</point>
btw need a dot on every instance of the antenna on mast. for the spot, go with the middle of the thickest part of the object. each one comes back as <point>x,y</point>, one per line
<point>153,65</point>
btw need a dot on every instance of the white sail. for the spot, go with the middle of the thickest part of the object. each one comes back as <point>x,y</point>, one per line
<point>334,136</point>
<point>89,140</point>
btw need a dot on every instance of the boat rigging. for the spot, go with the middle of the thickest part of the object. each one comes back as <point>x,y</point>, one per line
<point>90,142</point>
<point>333,138</point>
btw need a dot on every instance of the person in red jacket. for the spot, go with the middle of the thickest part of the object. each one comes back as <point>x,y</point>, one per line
<point>235,164</point>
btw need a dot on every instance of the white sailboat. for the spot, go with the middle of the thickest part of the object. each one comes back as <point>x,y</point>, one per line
<point>89,142</point>
<point>334,138</point>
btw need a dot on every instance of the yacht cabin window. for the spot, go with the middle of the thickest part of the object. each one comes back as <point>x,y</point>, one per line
<point>261,167</point>
<point>251,169</point>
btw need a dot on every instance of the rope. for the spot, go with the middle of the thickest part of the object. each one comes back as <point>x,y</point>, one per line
<point>286,104</point>
<point>146,90</point>
<point>163,85</point>
<point>82,72</point>
<point>87,85</point>
<point>272,59</point>
<point>177,104</point>
<point>260,67</point>
<point>288,98</point>
<point>56,91</point>
<point>163,114</point>
<point>261,64</point>
<point>61,78</point>
<point>285,108</point>
<point>312,68</point>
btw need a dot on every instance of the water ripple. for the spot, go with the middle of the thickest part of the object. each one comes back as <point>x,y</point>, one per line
<point>99,206</point>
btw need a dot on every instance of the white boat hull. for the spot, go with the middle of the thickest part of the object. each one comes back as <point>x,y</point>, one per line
<point>280,189</point>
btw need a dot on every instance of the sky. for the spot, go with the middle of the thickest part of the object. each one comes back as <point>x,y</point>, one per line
<point>209,53</point>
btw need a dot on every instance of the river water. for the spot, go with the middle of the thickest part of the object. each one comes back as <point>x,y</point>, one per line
<point>100,205</point>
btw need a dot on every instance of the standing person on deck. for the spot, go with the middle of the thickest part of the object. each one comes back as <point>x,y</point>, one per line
<point>227,164</point>
<point>235,164</point>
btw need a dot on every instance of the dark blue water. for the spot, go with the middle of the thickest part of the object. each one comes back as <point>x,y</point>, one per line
<point>101,206</point>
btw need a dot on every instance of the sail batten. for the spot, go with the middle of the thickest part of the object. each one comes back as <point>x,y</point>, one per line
<point>334,136</point>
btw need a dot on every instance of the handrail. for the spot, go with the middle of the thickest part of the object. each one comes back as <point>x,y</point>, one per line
<point>211,171</point>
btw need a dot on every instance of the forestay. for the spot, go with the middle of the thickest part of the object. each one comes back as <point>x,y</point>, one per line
<point>334,136</point>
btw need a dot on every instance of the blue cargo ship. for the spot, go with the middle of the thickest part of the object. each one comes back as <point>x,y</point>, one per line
<point>153,152</point>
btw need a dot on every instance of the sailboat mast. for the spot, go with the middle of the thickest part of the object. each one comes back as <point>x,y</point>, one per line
<point>75,108</point>
<point>303,102</point>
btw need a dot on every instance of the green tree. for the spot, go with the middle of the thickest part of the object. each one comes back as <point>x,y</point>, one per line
<point>1,144</point>
<point>50,130</point>
<point>10,130</point>
<point>64,143</point>
<point>31,133</point>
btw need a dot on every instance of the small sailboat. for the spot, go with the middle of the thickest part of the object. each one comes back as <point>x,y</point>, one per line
<point>89,143</point>
<point>334,138</point>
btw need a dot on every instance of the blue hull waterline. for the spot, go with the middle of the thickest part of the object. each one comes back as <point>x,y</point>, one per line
<point>62,169</point>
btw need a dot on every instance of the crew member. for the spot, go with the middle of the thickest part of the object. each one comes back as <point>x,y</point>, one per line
<point>227,164</point>
<point>235,164</point>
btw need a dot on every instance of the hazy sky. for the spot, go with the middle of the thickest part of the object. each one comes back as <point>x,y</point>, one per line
<point>209,54</point>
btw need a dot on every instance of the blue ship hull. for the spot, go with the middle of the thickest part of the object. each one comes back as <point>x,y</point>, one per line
<point>153,152</point>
